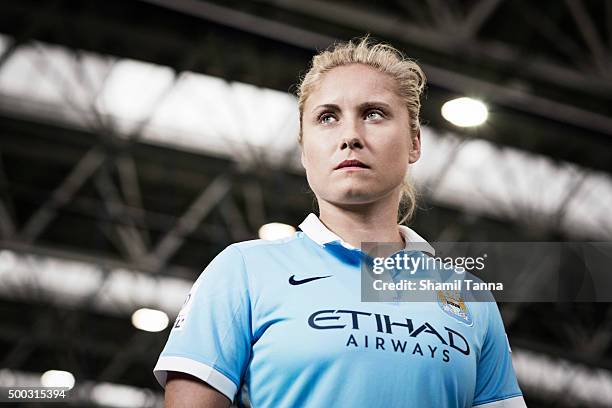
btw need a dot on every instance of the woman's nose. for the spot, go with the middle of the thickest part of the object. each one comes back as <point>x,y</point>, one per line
<point>351,143</point>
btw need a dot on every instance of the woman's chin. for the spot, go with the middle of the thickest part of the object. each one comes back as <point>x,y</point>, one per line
<point>354,198</point>
<point>367,194</point>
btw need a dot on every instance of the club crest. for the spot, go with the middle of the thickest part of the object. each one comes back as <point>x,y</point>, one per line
<point>454,306</point>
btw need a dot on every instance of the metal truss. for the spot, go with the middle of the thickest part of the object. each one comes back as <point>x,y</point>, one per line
<point>450,35</point>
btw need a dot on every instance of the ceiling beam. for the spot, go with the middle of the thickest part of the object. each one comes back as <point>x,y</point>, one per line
<point>586,26</point>
<point>477,16</point>
<point>81,172</point>
<point>396,28</point>
<point>188,222</point>
<point>247,22</point>
<point>406,32</point>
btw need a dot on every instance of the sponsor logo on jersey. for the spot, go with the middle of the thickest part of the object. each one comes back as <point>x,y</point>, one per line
<point>408,335</point>
<point>293,281</point>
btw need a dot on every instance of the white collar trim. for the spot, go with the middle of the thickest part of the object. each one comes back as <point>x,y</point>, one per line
<point>319,233</point>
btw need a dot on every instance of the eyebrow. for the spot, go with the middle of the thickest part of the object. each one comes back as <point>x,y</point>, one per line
<point>361,106</point>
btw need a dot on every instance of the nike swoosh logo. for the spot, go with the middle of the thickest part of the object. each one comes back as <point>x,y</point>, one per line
<point>292,280</point>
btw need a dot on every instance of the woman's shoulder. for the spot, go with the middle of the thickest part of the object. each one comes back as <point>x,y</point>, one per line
<point>254,245</point>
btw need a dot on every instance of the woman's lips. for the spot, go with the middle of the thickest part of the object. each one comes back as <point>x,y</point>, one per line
<point>351,164</point>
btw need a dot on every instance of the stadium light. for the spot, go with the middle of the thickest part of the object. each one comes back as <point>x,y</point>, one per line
<point>121,396</point>
<point>57,378</point>
<point>275,230</point>
<point>150,320</point>
<point>7,260</point>
<point>465,112</point>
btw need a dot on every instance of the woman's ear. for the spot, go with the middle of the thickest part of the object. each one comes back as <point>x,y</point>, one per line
<point>415,147</point>
<point>303,159</point>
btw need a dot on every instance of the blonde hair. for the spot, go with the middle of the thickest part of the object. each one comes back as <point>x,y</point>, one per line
<point>408,76</point>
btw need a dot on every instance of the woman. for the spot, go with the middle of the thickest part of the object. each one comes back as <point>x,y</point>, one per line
<point>285,318</point>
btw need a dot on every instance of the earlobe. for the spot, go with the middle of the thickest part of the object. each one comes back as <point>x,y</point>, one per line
<point>303,160</point>
<point>415,151</point>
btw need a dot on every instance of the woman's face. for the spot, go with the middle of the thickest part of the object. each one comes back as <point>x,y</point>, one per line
<point>354,113</point>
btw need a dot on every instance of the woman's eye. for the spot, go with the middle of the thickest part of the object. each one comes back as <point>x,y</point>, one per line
<point>326,119</point>
<point>374,115</point>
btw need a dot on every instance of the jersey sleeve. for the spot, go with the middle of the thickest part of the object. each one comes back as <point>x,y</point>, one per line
<point>496,384</point>
<point>211,337</point>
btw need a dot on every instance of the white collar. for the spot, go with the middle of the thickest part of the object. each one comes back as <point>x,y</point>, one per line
<point>319,233</point>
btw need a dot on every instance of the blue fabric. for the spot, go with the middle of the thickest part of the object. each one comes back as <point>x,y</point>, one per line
<point>316,344</point>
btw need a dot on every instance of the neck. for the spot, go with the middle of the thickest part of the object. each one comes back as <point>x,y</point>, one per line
<point>372,222</point>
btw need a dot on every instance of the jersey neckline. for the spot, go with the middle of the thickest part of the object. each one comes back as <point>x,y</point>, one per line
<point>319,233</point>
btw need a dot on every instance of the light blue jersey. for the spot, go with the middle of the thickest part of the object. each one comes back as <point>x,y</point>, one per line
<point>285,320</point>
